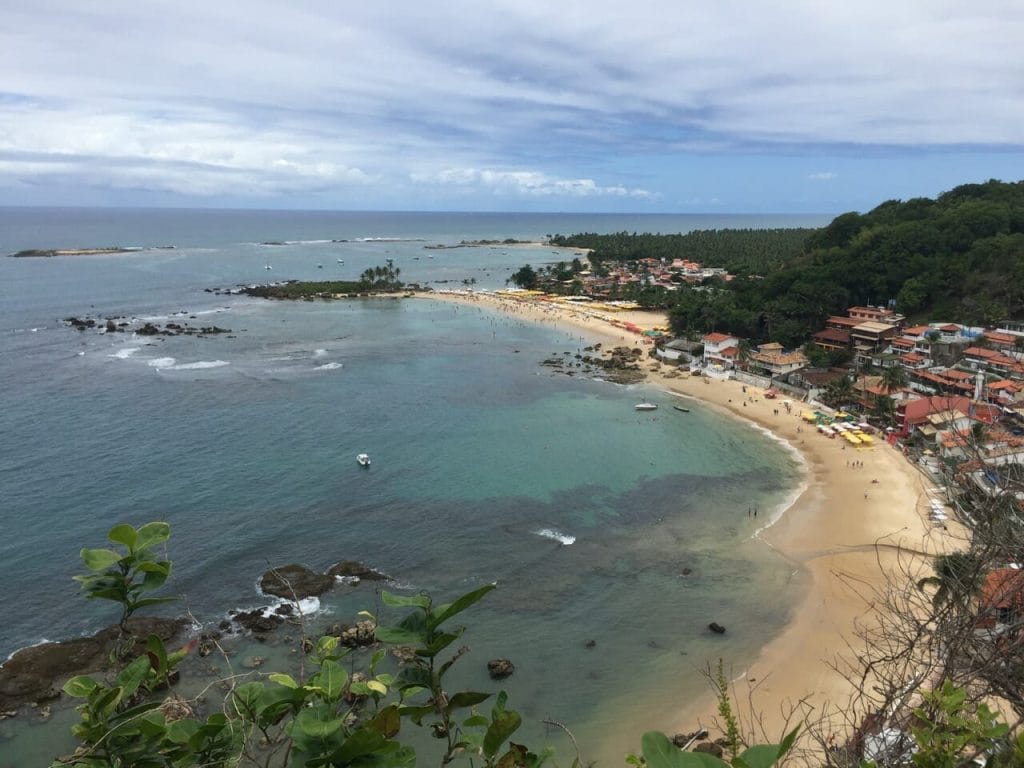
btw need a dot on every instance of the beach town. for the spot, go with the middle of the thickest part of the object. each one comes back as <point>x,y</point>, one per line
<point>877,489</point>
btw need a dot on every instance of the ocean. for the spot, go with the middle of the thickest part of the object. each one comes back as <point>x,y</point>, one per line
<point>599,523</point>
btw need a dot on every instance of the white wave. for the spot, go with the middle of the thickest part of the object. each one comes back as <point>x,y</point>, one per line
<point>319,352</point>
<point>307,606</point>
<point>162,362</point>
<point>550,533</point>
<point>202,364</point>
<point>124,354</point>
<point>389,239</point>
<point>329,367</point>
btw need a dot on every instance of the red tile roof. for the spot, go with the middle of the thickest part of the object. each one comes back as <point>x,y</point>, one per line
<point>716,338</point>
<point>1003,589</point>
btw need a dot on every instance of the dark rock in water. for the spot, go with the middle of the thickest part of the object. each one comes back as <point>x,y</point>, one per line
<point>687,571</point>
<point>257,622</point>
<point>710,747</point>
<point>148,330</point>
<point>499,669</point>
<point>591,643</point>
<point>37,673</point>
<point>362,634</point>
<point>295,582</point>
<point>717,628</point>
<point>683,740</point>
<point>355,569</point>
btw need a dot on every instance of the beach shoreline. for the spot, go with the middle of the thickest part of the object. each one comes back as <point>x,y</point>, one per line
<point>854,512</point>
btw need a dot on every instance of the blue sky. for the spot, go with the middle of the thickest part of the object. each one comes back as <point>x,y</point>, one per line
<point>519,105</point>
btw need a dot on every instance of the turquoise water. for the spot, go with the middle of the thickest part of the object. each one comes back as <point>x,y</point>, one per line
<point>482,458</point>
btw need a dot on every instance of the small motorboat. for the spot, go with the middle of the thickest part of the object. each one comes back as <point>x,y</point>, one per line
<point>645,407</point>
<point>363,459</point>
<point>680,408</point>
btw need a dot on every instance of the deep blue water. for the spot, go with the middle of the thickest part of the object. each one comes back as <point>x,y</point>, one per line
<point>246,444</point>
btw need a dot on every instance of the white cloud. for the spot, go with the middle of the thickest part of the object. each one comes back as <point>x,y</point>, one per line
<point>367,95</point>
<point>531,183</point>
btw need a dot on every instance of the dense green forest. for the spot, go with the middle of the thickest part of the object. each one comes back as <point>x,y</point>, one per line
<point>959,258</point>
<point>741,251</point>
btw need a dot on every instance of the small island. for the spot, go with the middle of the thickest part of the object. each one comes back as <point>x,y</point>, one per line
<point>375,280</point>
<point>49,253</point>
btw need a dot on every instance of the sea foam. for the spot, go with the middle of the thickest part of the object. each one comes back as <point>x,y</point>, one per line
<point>329,367</point>
<point>550,533</point>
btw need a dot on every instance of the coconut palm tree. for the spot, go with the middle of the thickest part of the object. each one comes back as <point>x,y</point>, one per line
<point>958,578</point>
<point>894,377</point>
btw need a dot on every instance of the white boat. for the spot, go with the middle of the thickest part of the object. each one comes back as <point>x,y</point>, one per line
<point>645,407</point>
<point>363,459</point>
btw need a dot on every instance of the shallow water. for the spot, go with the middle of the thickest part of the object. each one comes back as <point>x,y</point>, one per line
<point>486,465</point>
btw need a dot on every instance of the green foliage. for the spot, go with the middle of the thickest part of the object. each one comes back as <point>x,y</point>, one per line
<point>125,576</point>
<point>659,752</point>
<point>524,277</point>
<point>960,257</point>
<point>335,716</point>
<point>744,251</point>
<point>949,733</point>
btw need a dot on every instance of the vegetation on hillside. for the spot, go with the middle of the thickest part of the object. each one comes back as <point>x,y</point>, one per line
<point>741,251</point>
<point>959,257</point>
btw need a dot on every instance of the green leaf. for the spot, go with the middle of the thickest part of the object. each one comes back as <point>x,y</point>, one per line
<point>136,604</point>
<point>180,731</point>
<point>151,534</point>
<point>132,675</point>
<point>501,728</point>
<point>123,534</point>
<point>310,723</point>
<point>247,698</point>
<point>377,687</point>
<point>282,679</point>
<point>475,721</point>
<point>438,644</point>
<point>331,679</point>
<point>363,742</point>
<point>659,752</point>
<point>80,686</point>
<point>416,714</point>
<point>157,654</point>
<point>760,756</point>
<point>99,559</point>
<point>399,636</point>
<point>387,722</point>
<point>445,612</point>
<point>466,699</point>
<point>405,601</point>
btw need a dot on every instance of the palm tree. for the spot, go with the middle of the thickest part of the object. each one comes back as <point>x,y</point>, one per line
<point>894,377</point>
<point>839,391</point>
<point>958,578</point>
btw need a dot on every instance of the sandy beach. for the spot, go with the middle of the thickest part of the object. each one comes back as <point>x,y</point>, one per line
<point>859,506</point>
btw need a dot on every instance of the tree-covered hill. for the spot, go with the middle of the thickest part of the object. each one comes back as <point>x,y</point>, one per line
<point>959,257</point>
<point>740,251</point>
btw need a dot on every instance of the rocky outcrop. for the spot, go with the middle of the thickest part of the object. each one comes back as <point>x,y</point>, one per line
<point>295,582</point>
<point>37,673</point>
<point>717,628</point>
<point>499,669</point>
<point>353,569</point>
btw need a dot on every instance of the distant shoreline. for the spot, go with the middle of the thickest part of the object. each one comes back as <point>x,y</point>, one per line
<point>47,253</point>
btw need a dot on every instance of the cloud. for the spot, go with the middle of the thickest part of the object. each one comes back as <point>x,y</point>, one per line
<point>822,176</point>
<point>530,183</point>
<point>592,98</point>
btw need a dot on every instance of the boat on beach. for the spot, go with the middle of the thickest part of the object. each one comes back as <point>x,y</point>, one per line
<point>645,407</point>
<point>363,459</point>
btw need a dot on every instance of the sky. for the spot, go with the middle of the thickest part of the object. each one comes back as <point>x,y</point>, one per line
<point>688,106</point>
